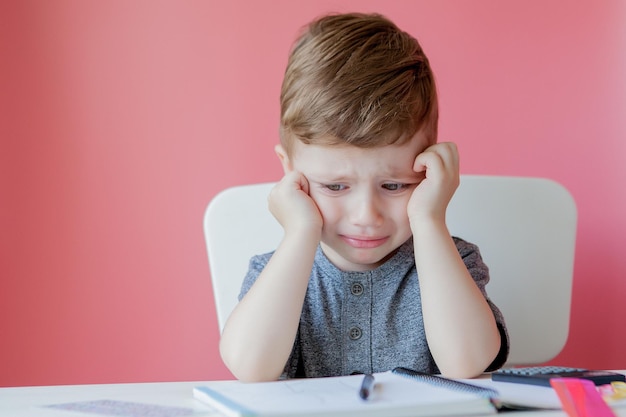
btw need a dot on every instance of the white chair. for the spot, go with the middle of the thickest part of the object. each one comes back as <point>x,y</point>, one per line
<point>525,229</point>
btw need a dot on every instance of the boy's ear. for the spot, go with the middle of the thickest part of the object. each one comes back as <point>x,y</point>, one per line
<point>284,158</point>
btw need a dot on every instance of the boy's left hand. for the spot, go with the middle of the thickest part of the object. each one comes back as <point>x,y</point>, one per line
<point>440,165</point>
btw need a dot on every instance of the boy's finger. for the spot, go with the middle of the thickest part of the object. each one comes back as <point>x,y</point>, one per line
<point>304,183</point>
<point>442,156</point>
<point>427,160</point>
<point>449,153</point>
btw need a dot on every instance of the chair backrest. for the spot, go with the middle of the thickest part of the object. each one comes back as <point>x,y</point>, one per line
<point>525,229</point>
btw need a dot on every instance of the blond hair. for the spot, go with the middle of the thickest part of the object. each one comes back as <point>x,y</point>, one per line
<point>357,79</point>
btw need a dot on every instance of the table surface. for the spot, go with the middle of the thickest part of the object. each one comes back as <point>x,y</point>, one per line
<point>163,399</point>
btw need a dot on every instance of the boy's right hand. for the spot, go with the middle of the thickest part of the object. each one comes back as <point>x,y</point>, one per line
<point>290,203</point>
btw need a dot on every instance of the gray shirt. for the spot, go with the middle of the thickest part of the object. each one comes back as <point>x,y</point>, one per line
<point>361,322</point>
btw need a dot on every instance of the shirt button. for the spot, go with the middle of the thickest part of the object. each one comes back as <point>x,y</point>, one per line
<point>356,289</point>
<point>355,333</point>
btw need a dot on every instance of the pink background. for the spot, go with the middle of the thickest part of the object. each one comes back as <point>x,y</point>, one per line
<point>120,120</point>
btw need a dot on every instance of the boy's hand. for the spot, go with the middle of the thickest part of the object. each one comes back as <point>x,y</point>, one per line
<point>440,165</point>
<point>293,207</point>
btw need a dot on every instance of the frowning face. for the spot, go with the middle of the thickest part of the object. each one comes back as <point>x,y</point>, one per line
<point>362,195</point>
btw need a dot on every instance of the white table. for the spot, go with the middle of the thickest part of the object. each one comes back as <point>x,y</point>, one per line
<point>31,401</point>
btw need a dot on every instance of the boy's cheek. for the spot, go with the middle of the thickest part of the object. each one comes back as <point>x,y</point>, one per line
<point>323,205</point>
<point>319,200</point>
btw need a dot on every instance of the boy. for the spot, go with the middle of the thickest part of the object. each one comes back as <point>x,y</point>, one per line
<point>367,276</point>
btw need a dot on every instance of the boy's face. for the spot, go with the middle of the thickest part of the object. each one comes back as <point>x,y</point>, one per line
<point>362,195</point>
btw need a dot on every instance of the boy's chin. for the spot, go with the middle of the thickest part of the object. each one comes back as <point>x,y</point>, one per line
<point>357,260</point>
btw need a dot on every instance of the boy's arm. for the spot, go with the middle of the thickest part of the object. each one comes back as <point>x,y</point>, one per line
<point>259,334</point>
<point>460,326</point>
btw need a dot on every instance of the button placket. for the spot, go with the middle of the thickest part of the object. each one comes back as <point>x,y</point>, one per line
<point>356,323</point>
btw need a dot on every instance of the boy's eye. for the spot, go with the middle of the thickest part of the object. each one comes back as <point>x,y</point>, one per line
<point>392,186</point>
<point>335,187</point>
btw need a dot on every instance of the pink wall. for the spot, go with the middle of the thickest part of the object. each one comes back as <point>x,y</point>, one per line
<point>120,120</point>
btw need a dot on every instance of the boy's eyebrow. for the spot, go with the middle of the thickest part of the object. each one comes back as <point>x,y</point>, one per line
<point>327,178</point>
<point>396,175</point>
<point>401,173</point>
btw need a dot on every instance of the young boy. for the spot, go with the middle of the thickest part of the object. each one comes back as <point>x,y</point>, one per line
<point>367,276</point>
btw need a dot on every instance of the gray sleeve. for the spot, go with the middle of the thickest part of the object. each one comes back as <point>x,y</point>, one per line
<point>256,265</point>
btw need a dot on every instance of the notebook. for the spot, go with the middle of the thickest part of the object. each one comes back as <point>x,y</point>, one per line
<point>393,394</point>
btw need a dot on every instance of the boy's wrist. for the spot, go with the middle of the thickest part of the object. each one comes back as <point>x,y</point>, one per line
<point>426,226</point>
<point>426,219</point>
<point>303,234</point>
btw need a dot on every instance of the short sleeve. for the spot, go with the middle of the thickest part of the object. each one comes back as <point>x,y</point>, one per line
<point>255,267</point>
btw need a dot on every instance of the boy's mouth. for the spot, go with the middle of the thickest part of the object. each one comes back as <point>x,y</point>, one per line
<point>364,242</point>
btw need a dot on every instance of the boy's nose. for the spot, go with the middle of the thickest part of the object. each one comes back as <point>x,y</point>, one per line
<point>367,211</point>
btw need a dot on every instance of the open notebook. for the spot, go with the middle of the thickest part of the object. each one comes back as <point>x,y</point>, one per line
<point>393,395</point>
